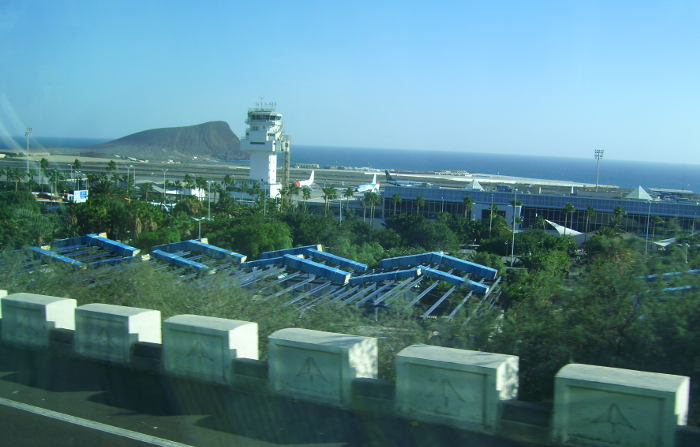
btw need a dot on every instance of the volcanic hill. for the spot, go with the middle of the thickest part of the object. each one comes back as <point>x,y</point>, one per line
<point>208,141</point>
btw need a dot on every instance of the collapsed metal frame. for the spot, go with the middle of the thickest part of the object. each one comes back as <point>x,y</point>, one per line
<point>288,272</point>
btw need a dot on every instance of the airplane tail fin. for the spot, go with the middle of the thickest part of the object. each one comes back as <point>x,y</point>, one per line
<point>388,176</point>
<point>374,179</point>
<point>311,179</point>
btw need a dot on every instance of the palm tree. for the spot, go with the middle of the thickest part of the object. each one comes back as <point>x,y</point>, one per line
<point>145,189</point>
<point>285,195</point>
<point>612,230</point>
<point>372,199</point>
<point>201,182</point>
<point>420,203</point>
<point>329,193</point>
<point>54,176</point>
<point>76,164</point>
<point>254,189</point>
<point>111,166</point>
<point>243,189</point>
<point>395,198</point>
<point>17,175</point>
<point>568,209</point>
<point>305,194</point>
<point>468,204</point>
<point>618,212</point>
<point>655,220</point>
<point>540,222</point>
<point>43,166</point>
<point>348,193</point>
<point>590,212</point>
<point>92,178</point>
<point>30,174</point>
<point>106,187</point>
<point>189,181</point>
<point>493,209</point>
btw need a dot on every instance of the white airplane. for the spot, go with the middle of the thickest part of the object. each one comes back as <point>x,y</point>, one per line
<point>390,180</point>
<point>369,187</point>
<point>308,182</point>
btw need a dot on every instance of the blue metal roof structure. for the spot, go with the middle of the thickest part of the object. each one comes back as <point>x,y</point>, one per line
<point>91,250</point>
<point>289,251</point>
<point>305,265</point>
<point>440,259</point>
<point>666,275</point>
<point>179,261</point>
<point>50,254</point>
<point>385,276</point>
<point>249,265</point>
<point>464,266</point>
<point>343,262</point>
<point>452,279</point>
<point>203,248</point>
<point>404,261</point>
<point>307,282</point>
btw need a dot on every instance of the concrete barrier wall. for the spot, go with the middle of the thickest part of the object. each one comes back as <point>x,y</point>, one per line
<point>454,386</point>
<point>204,347</point>
<point>107,332</point>
<point>320,366</point>
<point>596,405</point>
<point>27,318</point>
<point>474,391</point>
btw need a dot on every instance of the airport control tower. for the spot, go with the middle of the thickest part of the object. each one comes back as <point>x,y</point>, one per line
<point>264,139</point>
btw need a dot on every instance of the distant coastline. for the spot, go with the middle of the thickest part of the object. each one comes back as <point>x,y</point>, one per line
<point>625,174</point>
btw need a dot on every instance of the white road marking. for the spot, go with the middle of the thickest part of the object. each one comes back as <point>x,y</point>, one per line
<point>92,424</point>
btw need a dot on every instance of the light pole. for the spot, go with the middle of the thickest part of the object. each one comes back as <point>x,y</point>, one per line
<point>598,156</point>
<point>27,133</point>
<point>164,171</point>
<point>491,215</point>
<point>128,182</point>
<point>646,241</point>
<point>208,199</point>
<point>512,246</point>
<point>71,174</point>
<point>442,204</point>
<point>199,226</point>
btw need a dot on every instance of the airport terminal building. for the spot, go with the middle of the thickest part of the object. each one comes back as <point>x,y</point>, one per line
<point>639,207</point>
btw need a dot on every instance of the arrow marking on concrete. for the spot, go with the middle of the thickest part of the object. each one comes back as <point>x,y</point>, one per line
<point>446,390</point>
<point>613,416</point>
<point>309,368</point>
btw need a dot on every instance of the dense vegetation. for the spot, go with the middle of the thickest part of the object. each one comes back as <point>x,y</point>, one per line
<point>558,305</point>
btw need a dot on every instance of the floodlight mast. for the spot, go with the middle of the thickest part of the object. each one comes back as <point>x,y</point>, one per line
<point>27,133</point>
<point>598,156</point>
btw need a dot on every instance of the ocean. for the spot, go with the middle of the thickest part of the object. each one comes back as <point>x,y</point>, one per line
<point>623,173</point>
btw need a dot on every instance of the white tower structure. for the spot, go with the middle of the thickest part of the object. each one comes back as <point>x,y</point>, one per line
<point>264,139</point>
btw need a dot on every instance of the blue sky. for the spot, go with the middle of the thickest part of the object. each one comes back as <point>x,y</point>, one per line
<point>521,77</point>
